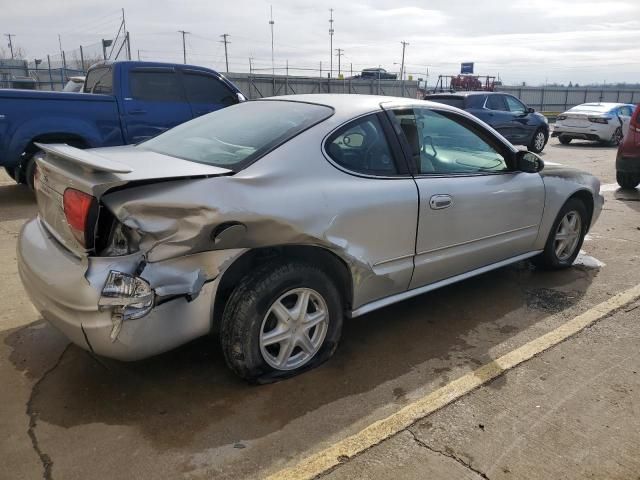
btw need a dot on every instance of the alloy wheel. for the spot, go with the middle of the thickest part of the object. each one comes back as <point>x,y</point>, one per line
<point>616,138</point>
<point>538,142</point>
<point>568,235</point>
<point>294,329</point>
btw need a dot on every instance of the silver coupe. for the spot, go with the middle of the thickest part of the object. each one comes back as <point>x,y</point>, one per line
<point>270,221</point>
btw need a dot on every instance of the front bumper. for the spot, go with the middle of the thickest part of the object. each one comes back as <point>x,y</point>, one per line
<point>57,285</point>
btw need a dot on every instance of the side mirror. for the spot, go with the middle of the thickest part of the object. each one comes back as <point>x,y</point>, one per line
<point>528,162</point>
<point>531,110</point>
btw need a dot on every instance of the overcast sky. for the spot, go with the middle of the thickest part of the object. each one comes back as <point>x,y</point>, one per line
<point>521,40</point>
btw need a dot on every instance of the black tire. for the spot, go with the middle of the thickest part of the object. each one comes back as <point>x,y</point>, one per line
<point>538,141</point>
<point>30,168</point>
<point>616,138</point>
<point>548,259</point>
<point>248,305</point>
<point>628,181</point>
<point>564,140</point>
<point>11,171</point>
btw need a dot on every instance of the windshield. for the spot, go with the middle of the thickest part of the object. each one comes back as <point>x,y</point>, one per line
<point>238,135</point>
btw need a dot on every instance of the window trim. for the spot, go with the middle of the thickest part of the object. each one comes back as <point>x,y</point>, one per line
<point>403,171</point>
<point>503,149</point>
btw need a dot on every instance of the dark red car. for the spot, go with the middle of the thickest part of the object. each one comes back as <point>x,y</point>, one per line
<point>628,159</point>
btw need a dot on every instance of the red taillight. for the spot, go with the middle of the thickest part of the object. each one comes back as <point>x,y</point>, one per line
<point>599,120</point>
<point>77,209</point>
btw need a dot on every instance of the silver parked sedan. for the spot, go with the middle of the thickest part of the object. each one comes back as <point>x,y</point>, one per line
<point>269,221</point>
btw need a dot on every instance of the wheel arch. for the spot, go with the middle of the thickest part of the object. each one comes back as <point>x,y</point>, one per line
<point>331,263</point>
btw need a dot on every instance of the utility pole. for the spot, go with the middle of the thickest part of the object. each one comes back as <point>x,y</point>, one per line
<point>271,24</point>
<point>339,54</point>
<point>126,36</point>
<point>404,45</point>
<point>9,35</point>
<point>226,55</point>
<point>184,45</point>
<point>331,43</point>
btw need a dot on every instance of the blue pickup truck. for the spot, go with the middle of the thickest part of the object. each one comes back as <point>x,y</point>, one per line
<point>121,103</point>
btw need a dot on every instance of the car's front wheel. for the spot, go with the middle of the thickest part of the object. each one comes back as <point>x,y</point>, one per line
<point>628,181</point>
<point>281,320</point>
<point>538,141</point>
<point>566,237</point>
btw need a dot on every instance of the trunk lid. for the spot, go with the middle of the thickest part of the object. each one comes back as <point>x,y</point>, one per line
<point>95,172</point>
<point>578,119</point>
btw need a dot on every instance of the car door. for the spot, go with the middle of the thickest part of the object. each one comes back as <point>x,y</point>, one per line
<point>497,114</point>
<point>154,102</point>
<point>206,92</point>
<point>475,209</point>
<point>522,124</point>
<point>379,204</point>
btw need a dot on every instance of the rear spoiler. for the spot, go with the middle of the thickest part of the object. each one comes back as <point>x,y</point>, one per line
<point>85,158</point>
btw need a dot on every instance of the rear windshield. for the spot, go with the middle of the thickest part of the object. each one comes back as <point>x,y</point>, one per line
<point>591,108</point>
<point>238,135</point>
<point>453,101</point>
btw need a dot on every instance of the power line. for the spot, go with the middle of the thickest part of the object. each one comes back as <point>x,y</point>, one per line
<point>184,45</point>
<point>226,55</point>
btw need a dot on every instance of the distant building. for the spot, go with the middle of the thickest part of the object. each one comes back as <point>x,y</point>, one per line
<point>15,74</point>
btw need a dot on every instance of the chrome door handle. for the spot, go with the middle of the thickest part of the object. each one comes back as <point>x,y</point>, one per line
<point>438,202</point>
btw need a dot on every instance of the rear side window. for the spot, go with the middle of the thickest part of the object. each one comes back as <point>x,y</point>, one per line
<point>202,88</point>
<point>99,80</point>
<point>453,101</point>
<point>155,86</point>
<point>496,102</point>
<point>361,146</point>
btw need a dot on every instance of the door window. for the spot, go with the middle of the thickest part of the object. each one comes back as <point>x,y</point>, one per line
<point>208,89</point>
<point>99,80</point>
<point>156,86</point>
<point>515,105</point>
<point>496,102</point>
<point>440,144</point>
<point>361,146</point>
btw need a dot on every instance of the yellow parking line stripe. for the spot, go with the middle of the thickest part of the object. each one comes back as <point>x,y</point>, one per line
<point>380,430</point>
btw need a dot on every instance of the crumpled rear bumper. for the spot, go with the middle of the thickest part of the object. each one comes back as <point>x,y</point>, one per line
<point>56,283</point>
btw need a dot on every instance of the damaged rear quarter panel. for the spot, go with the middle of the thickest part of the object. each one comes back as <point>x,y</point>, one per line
<point>292,196</point>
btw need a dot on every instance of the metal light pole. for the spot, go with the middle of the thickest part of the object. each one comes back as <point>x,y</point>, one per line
<point>331,43</point>
<point>271,24</point>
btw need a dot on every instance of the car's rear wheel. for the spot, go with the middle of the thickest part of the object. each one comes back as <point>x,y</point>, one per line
<point>566,237</point>
<point>616,138</point>
<point>628,180</point>
<point>282,320</point>
<point>538,141</point>
<point>564,140</point>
